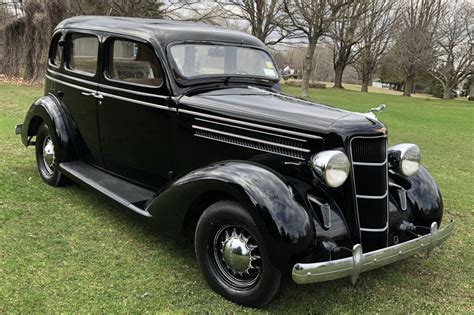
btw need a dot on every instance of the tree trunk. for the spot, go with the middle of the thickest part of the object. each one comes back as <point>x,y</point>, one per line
<point>365,86</point>
<point>366,82</point>
<point>308,66</point>
<point>447,92</point>
<point>408,87</point>
<point>471,91</point>
<point>338,72</point>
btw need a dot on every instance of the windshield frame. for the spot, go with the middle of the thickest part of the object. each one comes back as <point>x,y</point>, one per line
<point>206,78</point>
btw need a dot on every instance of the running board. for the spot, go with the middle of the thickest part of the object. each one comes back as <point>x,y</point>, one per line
<point>121,191</point>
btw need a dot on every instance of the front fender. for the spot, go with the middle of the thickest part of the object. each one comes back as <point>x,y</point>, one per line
<point>423,195</point>
<point>48,109</point>
<point>277,208</point>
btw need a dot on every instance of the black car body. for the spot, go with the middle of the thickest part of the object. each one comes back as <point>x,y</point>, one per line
<point>133,109</point>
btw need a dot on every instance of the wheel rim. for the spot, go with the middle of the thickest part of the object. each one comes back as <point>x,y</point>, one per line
<point>48,155</point>
<point>236,256</point>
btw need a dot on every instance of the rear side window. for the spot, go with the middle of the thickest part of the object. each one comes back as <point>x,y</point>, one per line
<point>56,52</point>
<point>135,63</point>
<point>83,51</point>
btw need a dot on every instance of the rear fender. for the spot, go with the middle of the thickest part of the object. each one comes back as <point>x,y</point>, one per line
<point>49,109</point>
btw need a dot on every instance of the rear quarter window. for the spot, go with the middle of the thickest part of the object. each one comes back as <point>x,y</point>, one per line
<point>55,52</point>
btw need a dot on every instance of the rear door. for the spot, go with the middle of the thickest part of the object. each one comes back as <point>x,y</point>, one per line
<point>76,83</point>
<point>134,114</point>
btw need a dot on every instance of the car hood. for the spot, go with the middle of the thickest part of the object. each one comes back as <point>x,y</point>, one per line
<point>277,109</point>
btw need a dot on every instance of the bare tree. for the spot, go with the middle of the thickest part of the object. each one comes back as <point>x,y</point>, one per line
<point>346,32</point>
<point>378,22</point>
<point>413,50</point>
<point>263,16</point>
<point>311,19</point>
<point>131,8</point>
<point>453,46</point>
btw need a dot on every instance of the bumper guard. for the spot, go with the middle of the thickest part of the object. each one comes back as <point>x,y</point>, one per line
<point>360,262</point>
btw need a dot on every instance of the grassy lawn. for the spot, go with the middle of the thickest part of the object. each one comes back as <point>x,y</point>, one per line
<point>68,249</point>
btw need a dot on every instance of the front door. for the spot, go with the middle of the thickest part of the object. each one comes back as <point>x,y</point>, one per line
<point>133,114</point>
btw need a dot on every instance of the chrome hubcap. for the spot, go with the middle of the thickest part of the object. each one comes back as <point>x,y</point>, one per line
<point>237,256</point>
<point>48,155</point>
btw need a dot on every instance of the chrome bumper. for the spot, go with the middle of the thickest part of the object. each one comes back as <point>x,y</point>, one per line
<point>360,262</point>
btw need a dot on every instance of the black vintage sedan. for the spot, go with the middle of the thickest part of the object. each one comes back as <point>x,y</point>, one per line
<point>184,123</point>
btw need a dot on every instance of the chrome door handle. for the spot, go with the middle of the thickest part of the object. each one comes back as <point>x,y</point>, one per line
<point>94,94</point>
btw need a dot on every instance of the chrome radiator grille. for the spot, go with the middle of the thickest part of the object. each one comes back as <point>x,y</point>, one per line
<point>370,186</point>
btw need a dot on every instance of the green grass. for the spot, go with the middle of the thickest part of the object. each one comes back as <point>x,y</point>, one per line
<point>68,249</point>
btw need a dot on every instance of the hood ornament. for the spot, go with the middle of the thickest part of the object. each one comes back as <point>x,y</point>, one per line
<point>371,113</point>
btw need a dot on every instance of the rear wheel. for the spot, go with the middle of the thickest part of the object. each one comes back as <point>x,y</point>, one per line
<point>46,156</point>
<point>231,255</point>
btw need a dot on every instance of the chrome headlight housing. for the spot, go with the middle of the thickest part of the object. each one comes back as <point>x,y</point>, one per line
<point>332,166</point>
<point>405,157</point>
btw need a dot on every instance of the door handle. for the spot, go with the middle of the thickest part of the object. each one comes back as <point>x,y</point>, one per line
<point>94,94</point>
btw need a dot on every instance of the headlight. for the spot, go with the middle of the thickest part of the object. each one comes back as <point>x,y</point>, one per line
<point>406,157</point>
<point>332,166</point>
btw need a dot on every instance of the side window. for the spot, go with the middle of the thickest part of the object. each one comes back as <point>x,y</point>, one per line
<point>134,62</point>
<point>83,51</point>
<point>56,51</point>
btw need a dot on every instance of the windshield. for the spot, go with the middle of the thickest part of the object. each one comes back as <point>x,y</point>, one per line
<point>195,60</point>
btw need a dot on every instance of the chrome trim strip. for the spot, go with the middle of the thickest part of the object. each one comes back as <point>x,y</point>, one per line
<point>372,197</point>
<point>72,78</point>
<point>245,146</point>
<point>70,84</point>
<point>325,211</point>
<point>356,206</point>
<point>110,95</point>
<point>294,133</point>
<point>374,230</point>
<point>253,130</point>
<point>369,137</point>
<point>352,266</point>
<point>370,164</point>
<point>131,91</point>
<point>134,101</point>
<point>313,199</point>
<point>250,139</point>
<point>106,86</point>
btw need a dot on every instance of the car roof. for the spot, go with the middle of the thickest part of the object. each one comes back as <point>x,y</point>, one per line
<point>163,31</point>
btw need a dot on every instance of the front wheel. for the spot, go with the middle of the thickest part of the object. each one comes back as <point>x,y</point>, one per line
<point>46,156</point>
<point>231,255</point>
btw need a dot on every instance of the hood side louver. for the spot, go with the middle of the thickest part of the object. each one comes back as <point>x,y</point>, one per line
<point>252,138</point>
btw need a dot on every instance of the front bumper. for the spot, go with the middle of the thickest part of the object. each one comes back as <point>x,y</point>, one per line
<point>360,262</point>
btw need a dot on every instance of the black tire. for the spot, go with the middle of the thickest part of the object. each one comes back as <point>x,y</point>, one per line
<point>47,165</point>
<point>260,282</point>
